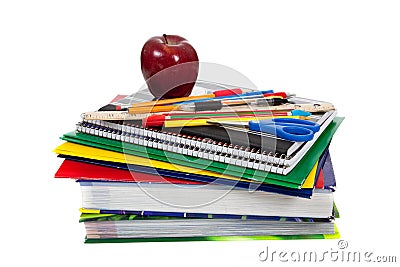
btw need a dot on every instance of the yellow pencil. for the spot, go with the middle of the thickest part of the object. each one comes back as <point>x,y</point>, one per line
<point>203,122</point>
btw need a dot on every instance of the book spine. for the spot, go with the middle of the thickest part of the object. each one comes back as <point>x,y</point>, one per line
<point>186,145</point>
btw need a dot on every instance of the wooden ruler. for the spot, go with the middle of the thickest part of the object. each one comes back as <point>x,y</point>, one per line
<point>125,115</point>
<point>112,115</point>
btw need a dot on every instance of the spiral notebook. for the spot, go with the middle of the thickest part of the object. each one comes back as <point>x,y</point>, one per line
<point>292,179</point>
<point>207,149</point>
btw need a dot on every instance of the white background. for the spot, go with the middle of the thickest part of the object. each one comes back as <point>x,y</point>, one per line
<point>61,58</point>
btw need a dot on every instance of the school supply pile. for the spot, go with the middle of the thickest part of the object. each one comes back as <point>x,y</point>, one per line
<point>218,165</point>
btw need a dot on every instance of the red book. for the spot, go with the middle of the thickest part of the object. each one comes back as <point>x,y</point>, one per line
<point>85,171</point>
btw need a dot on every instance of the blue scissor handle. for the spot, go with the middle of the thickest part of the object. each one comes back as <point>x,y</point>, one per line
<point>287,128</point>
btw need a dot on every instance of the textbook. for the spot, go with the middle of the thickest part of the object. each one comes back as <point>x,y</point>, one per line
<point>335,235</point>
<point>187,197</point>
<point>214,199</point>
<point>138,227</point>
<point>133,226</point>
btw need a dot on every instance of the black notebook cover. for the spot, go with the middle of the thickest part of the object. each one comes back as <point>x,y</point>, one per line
<point>237,137</point>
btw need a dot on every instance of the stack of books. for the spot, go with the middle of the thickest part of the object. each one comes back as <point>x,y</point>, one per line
<point>201,182</point>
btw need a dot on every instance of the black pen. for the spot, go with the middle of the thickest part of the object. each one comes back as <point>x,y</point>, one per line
<point>217,105</point>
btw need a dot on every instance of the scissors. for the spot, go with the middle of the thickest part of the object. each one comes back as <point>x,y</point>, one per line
<point>291,129</point>
<point>287,128</point>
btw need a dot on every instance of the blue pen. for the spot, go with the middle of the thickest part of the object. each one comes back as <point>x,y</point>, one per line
<point>248,94</point>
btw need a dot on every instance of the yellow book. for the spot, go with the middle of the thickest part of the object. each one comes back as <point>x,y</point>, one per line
<point>77,150</point>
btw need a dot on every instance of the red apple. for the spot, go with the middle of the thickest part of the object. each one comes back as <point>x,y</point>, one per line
<point>169,65</point>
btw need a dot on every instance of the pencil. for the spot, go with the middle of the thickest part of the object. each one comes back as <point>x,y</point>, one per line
<point>209,105</point>
<point>204,122</point>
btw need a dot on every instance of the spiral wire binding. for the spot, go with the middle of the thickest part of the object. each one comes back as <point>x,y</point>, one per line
<point>205,148</point>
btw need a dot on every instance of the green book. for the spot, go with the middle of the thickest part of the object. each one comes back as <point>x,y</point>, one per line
<point>294,179</point>
<point>123,228</point>
<point>335,235</point>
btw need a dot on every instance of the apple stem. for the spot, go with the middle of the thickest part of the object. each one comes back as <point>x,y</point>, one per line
<point>165,38</point>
